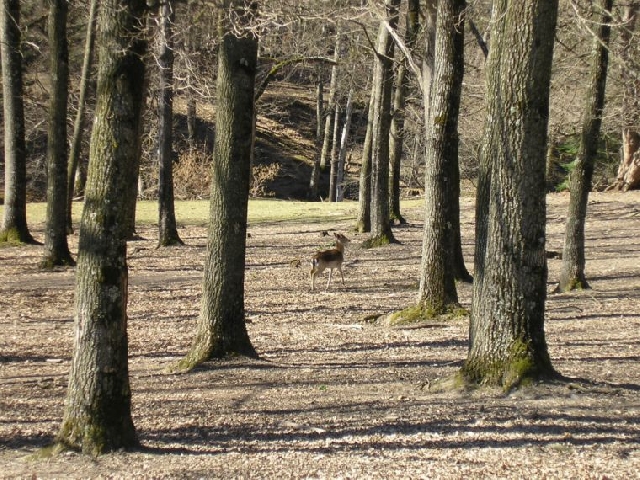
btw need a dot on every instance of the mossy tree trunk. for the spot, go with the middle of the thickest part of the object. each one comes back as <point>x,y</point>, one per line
<point>437,286</point>
<point>14,223</point>
<point>382,92</point>
<point>56,248</point>
<point>573,275</point>
<point>97,416</point>
<point>507,338</point>
<point>168,230</point>
<point>221,329</point>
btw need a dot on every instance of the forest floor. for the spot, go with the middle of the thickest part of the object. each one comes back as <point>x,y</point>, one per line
<point>332,395</point>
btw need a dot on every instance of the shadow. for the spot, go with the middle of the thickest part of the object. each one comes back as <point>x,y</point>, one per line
<point>532,429</point>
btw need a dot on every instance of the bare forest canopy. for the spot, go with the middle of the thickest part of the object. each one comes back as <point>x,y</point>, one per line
<point>297,48</point>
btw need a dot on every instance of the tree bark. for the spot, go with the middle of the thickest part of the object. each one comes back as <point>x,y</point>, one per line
<point>74,187</point>
<point>363,222</point>
<point>14,223</point>
<point>629,169</point>
<point>315,172</point>
<point>331,104</point>
<point>97,415</point>
<point>342,154</point>
<point>56,248</point>
<point>396,138</point>
<point>333,170</point>
<point>572,275</point>
<point>221,329</point>
<point>437,287</point>
<point>168,231</point>
<point>383,86</point>
<point>507,338</point>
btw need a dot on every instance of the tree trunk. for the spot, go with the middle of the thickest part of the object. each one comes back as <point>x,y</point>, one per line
<point>221,329</point>
<point>56,248</point>
<point>331,104</point>
<point>315,172</point>
<point>431,19</point>
<point>573,275</point>
<point>342,154</point>
<point>507,338</point>
<point>383,86</point>
<point>333,170</point>
<point>97,416</point>
<point>76,141</point>
<point>629,169</point>
<point>14,223</point>
<point>397,121</point>
<point>189,47</point>
<point>363,222</point>
<point>437,287</point>
<point>168,231</point>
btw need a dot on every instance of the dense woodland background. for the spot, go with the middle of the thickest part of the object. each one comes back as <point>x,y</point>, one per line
<point>297,41</point>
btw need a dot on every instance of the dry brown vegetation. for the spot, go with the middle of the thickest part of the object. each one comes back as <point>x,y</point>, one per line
<point>333,396</point>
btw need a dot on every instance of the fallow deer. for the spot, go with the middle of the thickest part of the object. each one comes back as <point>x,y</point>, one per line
<point>331,259</point>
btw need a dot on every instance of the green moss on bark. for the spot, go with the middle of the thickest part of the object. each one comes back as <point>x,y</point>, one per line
<point>519,367</point>
<point>423,313</point>
<point>378,241</point>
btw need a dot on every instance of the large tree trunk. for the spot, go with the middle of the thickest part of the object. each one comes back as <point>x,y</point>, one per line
<point>573,275</point>
<point>507,338</point>
<point>97,416</point>
<point>437,287</point>
<point>397,121</point>
<point>168,231</point>
<point>14,223</point>
<point>76,141</point>
<point>383,86</point>
<point>56,248</point>
<point>221,329</point>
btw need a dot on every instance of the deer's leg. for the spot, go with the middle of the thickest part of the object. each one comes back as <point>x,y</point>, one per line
<point>330,272</point>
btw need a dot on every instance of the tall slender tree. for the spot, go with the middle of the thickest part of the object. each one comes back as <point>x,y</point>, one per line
<point>168,230</point>
<point>507,338</point>
<point>315,172</point>
<point>629,168</point>
<point>573,274</point>
<point>56,248</point>
<point>412,24</point>
<point>14,223</point>
<point>325,154</point>
<point>382,90</point>
<point>363,220</point>
<point>97,415</point>
<point>221,328</point>
<point>78,124</point>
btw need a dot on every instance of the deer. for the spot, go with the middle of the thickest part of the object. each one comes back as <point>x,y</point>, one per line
<point>331,259</point>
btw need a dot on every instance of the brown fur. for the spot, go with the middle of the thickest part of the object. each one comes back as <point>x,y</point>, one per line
<point>331,259</point>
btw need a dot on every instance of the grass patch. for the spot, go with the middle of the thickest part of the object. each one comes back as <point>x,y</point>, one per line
<point>196,212</point>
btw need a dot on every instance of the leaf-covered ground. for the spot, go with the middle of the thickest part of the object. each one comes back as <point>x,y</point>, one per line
<point>332,395</point>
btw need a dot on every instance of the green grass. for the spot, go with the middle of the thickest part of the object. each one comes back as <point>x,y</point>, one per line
<point>261,211</point>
